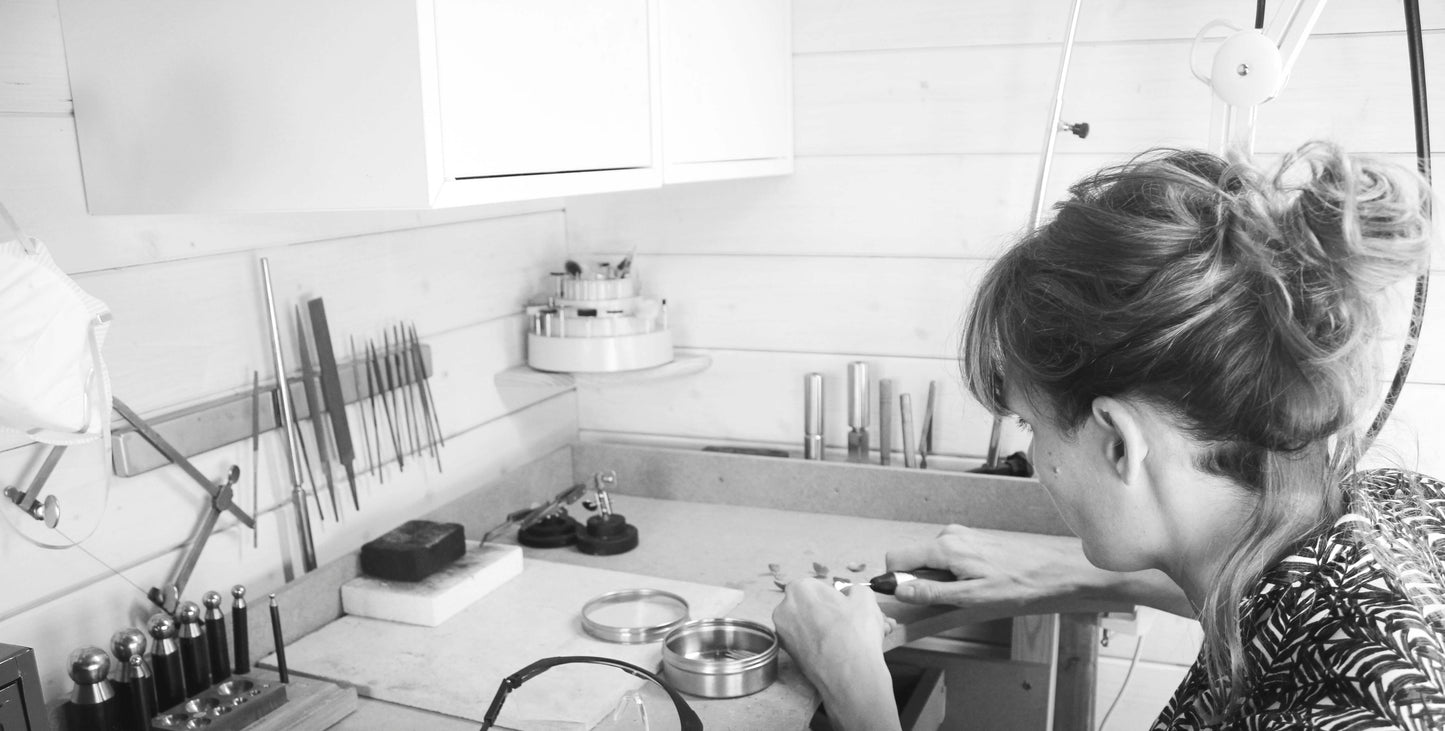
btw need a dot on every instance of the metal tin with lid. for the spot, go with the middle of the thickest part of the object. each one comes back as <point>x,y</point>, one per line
<point>634,616</point>
<point>720,658</point>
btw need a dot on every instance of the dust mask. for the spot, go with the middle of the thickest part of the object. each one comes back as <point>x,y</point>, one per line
<point>53,383</point>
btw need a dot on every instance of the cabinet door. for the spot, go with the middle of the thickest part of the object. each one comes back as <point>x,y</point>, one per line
<point>542,86</point>
<point>726,80</point>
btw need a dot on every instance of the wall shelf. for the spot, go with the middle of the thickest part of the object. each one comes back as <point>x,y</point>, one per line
<point>684,364</point>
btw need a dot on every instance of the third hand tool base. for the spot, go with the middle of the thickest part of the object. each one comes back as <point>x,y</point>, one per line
<point>607,535</point>
<point>554,531</point>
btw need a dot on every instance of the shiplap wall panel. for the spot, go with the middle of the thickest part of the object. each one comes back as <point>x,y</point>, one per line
<point>33,76</point>
<point>822,26</point>
<point>923,101</point>
<point>476,456</point>
<point>864,306</point>
<point>868,205</point>
<point>874,205</point>
<point>996,99</point>
<point>443,277</point>
<point>758,397</point>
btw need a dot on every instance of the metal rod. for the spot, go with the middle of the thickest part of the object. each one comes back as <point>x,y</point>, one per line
<point>255,454</point>
<point>393,384</point>
<point>885,421</point>
<point>433,428</point>
<point>371,386</point>
<point>277,636</point>
<point>414,396</point>
<point>385,386</point>
<point>905,411</point>
<point>174,455</point>
<point>52,458</point>
<point>426,387</point>
<point>991,458</point>
<point>306,465</point>
<point>1051,135</point>
<point>813,416</point>
<point>403,382</point>
<point>925,434</point>
<point>293,462</point>
<point>182,576</point>
<point>1051,132</point>
<point>361,410</point>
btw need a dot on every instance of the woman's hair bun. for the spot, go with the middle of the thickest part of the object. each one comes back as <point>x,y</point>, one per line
<point>1322,235</point>
<point>1247,297</point>
<point>1367,220</point>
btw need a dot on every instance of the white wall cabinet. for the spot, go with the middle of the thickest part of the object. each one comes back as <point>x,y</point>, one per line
<point>727,92</point>
<point>203,107</point>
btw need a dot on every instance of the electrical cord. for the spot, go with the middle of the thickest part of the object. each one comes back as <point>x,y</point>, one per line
<point>1419,97</point>
<point>1133,661</point>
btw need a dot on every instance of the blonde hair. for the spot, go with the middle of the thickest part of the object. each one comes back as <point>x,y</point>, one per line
<point>1243,301</point>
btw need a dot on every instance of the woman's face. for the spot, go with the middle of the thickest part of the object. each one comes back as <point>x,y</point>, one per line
<point>1076,469</point>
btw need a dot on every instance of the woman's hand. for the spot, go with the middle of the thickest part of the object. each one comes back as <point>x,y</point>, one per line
<point>837,642</point>
<point>1009,574</point>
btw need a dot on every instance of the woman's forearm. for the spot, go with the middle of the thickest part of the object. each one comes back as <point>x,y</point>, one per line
<point>1004,574</point>
<point>859,697</point>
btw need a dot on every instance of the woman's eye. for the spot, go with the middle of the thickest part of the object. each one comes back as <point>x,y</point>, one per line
<point>1027,427</point>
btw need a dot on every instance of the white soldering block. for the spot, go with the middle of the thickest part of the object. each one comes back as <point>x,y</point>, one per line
<point>438,597</point>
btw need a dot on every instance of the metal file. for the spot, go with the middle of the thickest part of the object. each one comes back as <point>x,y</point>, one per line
<point>331,394</point>
<point>313,403</point>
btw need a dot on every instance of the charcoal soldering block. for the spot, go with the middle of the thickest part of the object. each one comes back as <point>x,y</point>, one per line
<point>415,550</point>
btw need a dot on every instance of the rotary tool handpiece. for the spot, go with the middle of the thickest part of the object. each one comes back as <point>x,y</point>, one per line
<point>888,583</point>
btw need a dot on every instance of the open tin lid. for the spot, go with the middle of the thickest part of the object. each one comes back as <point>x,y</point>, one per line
<point>634,616</point>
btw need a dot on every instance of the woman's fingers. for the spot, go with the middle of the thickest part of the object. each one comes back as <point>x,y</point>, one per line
<point>956,549</point>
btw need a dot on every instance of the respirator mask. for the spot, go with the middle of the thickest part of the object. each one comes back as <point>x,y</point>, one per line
<point>54,388</point>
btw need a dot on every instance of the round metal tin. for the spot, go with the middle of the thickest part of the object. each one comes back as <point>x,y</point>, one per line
<point>720,658</point>
<point>633,616</point>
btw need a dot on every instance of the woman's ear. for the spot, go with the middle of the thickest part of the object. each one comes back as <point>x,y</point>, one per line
<point>1123,437</point>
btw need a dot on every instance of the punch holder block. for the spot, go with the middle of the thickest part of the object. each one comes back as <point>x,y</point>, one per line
<point>204,427</point>
<point>438,597</point>
<point>233,704</point>
<point>413,551</point>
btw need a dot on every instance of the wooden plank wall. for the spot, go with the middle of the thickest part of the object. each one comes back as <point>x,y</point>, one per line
<point>190,326</point>
<point>919,124</point>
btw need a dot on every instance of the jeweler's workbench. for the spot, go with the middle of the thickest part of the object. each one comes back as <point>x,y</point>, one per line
<point>729,546</point>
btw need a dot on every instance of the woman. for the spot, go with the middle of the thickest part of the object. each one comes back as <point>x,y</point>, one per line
<point>1194,343</point>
